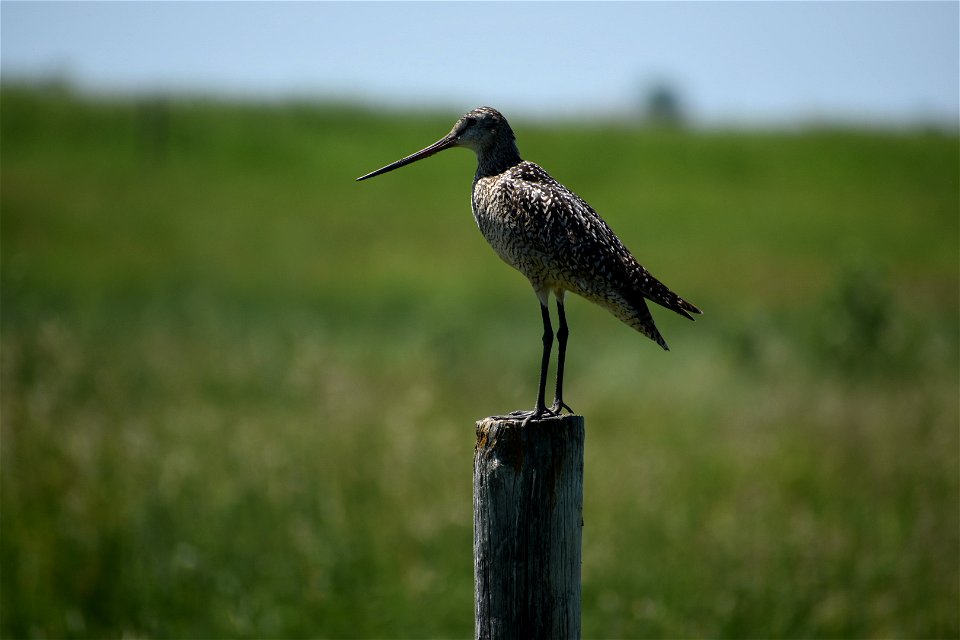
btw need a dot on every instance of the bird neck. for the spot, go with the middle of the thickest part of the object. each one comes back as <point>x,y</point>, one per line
<point>494,161</point>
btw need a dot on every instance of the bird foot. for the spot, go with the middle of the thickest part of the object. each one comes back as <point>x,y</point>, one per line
<point>528,415</point>
<point>558,406</point>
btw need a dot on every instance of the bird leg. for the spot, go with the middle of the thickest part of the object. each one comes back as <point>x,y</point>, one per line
<point>562,333</point>
<point>541,409</point>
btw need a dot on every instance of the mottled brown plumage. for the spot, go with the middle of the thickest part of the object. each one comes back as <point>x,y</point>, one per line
<point>552,236</point>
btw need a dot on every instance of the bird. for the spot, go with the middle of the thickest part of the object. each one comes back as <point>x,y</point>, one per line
<point>553,237</point>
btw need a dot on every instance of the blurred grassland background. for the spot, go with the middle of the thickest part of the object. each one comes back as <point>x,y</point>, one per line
<point>238,388</point>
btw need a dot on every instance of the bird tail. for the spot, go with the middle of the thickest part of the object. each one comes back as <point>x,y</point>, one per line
<point>637,315</point>
<point>656,291</point>
<point>635,312</point>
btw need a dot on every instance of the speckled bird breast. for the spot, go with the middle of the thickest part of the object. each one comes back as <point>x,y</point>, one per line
<point>516,229</point>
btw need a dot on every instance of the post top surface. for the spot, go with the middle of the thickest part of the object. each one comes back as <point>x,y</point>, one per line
<point>507,421</point>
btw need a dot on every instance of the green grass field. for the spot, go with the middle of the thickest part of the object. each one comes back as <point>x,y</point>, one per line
<point>239,389</point>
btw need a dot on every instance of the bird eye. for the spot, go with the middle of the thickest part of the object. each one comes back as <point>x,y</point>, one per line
<point>470,121</point>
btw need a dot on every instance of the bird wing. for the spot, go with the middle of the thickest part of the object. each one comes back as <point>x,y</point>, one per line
<point>577,243</point>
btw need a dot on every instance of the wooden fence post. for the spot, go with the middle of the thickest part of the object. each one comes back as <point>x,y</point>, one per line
<point>527,524</point>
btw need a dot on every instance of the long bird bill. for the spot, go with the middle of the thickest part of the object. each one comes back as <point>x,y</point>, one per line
<point>444,143</point>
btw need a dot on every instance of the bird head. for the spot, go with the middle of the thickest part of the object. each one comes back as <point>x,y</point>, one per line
<point>481,130</point>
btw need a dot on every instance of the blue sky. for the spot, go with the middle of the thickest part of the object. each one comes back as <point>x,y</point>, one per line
<point>732,62</point>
